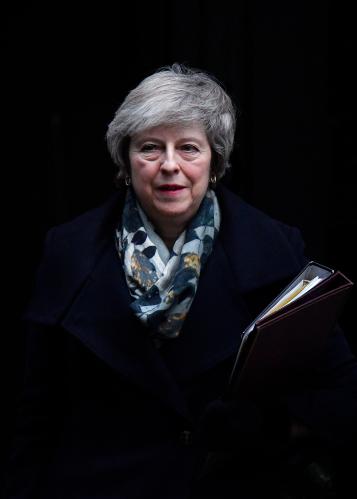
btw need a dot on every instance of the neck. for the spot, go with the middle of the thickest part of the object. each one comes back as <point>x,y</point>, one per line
<point>169,234</point>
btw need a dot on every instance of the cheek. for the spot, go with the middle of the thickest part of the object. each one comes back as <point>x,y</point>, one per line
<point>200,177</point>
<point>142,172</point>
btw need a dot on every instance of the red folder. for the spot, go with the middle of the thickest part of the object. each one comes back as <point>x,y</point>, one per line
<point>280,350</point>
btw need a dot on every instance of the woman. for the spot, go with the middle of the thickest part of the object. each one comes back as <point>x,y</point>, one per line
<point>135,319</point>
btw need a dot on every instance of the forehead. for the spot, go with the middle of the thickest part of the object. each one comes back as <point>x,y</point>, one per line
<point>172,132</point>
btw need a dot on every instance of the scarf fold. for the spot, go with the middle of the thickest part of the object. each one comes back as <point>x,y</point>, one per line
<point>163,283</point>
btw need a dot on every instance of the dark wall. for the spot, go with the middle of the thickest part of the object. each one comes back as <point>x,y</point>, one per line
<point>287,65</point>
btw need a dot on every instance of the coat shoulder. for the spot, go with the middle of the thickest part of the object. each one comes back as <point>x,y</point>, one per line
<point>69,253</point>
<point>239,211</point>
<point>89,222</point>
<point>261,249</point>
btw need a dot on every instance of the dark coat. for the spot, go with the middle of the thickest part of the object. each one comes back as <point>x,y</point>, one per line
<point>104,413</point>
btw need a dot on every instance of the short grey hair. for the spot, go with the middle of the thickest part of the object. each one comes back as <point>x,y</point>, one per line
<point>175,95</point>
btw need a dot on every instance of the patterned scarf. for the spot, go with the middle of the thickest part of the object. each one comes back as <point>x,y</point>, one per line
<point>164,282</point>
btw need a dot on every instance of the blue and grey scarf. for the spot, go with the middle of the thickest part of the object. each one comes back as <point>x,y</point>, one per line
<point>164,282</point>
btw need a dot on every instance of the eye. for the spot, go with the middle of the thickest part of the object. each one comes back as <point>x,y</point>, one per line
<point>190,148</point>
<point>149,147</point>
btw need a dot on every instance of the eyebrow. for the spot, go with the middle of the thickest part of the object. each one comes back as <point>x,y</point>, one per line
<point>193,139</point>
<point>156,139</point>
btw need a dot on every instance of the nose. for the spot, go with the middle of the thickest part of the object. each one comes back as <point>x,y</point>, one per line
<point>169,162</point>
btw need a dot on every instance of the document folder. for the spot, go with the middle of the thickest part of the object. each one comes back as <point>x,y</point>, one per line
<point>283,344</point>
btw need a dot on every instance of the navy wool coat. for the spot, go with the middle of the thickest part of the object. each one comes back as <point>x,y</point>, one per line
<point>105,414</point>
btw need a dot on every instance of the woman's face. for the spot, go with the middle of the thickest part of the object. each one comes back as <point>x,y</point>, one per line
<point>170,170</point>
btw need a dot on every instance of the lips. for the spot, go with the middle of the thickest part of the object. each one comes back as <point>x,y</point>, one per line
<point>170,187</point>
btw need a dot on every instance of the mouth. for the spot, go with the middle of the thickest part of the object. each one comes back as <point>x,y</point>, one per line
<point>170,187</point>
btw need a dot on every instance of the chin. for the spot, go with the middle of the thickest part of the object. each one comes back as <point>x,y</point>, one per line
<point>175,213</point>
<point>174,207</point>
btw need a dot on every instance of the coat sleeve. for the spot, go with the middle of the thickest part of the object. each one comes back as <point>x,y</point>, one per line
<point>39,406</point>
<point>39,414</point>
<point>328,407</point>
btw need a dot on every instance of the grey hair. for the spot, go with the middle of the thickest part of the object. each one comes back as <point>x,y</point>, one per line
<point>175,95</point>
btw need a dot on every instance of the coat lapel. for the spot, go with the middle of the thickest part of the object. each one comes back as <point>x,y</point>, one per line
<point>102,319</point>
<point>212,329</point>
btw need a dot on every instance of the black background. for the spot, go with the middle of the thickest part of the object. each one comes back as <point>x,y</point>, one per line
<point>289,67</point>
